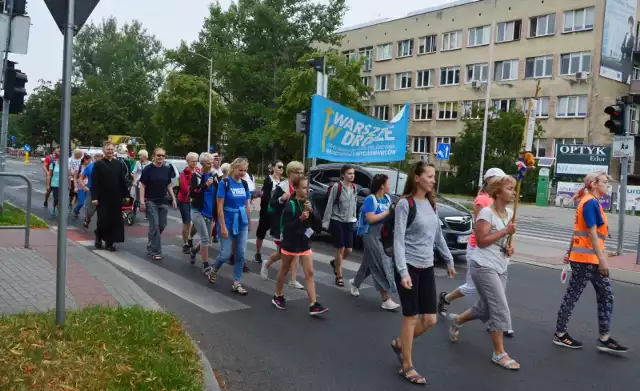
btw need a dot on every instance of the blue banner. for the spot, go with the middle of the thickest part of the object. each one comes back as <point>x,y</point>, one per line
<point>340,134</point>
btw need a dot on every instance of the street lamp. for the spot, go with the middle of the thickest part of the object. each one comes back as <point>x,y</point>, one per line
<point>210,93</point>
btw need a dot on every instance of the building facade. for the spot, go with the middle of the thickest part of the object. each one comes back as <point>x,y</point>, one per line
<point>441,61</point>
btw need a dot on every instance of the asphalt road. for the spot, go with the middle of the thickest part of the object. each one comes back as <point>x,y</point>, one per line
<point>256,347</point>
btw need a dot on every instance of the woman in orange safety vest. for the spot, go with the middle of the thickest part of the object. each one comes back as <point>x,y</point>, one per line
<point>589,264</point>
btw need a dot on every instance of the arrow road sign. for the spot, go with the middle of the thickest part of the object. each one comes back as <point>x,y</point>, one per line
<point>443,151</point>
<point>27,148</point>
<point>623,146</point>
<point>83,10</point>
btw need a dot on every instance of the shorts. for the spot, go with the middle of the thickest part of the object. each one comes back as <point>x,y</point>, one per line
<point>185,212</point>
<point>263,226</point>
<point>341,233</point>
<point>204,226</point>
<point>422,297</point>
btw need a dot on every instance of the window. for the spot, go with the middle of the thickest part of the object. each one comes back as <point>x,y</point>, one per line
<point>382,83</point>
<point>635,118</point>
<point>448,110</point>
<point>636,74</point>
<point>366,80</point>
<point>350,55</point>
<point>473,109</point>
<point>504,104</point>
<point>397,108</point>
<point>381,112</point>
<point>479,36</point>
<point>539,26</point>
<point>558,141</point>
<point>424,78</point>
<point>541,107</point>
<point>427,44</point>
<point>451,40</point>
<point>367,53</point>
<point>405,48</point>
<point>445,140</point>
<point>477,72</point>
<point>449,76</point>
<point>540,148</point>
<point>384,52</point>
<point>571,63</point>
<point>537,67</point>
<point>421,144</point>
<point>572,106</point>
<point>423,111</point>
<point>506,70</point>
<point>578,20</point>
<point>509,31</point>
<point>403,80</point>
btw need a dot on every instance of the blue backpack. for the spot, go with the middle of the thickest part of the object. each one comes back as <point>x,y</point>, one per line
<point>362,227</point>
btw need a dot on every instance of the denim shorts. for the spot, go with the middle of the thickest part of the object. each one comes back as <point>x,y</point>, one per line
<point>185,212</point>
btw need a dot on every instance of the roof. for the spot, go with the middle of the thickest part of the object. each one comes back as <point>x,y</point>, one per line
<point>423,11</point>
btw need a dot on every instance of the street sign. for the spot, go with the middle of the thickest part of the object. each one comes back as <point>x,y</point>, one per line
<point>623,146</point>
<point>443,151</point>
<point>20,28</point>
<point>83,10</point>
<point>27,148</point>
<point>211,148</point>
<point>12,138</point>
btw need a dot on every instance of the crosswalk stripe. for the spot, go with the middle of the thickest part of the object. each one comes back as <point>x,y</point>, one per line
<point>196,294</point>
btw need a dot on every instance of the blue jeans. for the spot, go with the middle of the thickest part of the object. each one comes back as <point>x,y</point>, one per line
<point>226,247</point>
<point>82,195</point>
<point>157,216</point>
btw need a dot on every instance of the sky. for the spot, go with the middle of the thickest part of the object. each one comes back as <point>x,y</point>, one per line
<point>169,24</point>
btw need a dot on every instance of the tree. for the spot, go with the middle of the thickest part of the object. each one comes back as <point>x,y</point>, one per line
<point>39,122</point>
<point>182,113</point>
<point>253,45</point>
<point>119,73</point>
<point>503,146</point>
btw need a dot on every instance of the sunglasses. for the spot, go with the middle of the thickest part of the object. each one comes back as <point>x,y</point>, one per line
<point>280,166</point>
<point>159,155</point>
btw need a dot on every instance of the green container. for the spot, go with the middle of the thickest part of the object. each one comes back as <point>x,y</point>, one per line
<point>542,190</point>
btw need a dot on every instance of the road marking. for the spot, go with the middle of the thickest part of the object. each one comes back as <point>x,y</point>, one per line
<point>196,294</point>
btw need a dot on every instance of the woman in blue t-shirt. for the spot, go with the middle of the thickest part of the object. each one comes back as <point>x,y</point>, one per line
<point>232,201</point>
<point>54,184</point>
<point>374,261</point>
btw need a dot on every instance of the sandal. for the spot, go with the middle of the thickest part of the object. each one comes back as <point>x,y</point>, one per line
<point>239,289</point>
<point>509,364</point>
<point>339,281</point>
<point>396,349</point>
<point>213,274</point>
<point>413,379</point>
<point>333,266</point>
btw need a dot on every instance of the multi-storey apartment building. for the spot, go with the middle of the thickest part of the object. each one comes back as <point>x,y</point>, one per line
<point>438,60</point>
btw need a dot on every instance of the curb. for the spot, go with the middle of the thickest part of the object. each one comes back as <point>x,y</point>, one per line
<point>619,275</point>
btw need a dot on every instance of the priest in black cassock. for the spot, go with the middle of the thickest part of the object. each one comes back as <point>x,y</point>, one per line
<point>108,190</point>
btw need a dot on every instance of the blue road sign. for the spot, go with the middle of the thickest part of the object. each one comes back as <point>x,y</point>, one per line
<point>27,148</point>
<point>12,138</point>
<point>443,151</point>
<point>211,148</point>
<point>133,141</point>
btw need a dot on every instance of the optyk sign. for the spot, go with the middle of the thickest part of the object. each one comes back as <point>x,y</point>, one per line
<point>575,160</point>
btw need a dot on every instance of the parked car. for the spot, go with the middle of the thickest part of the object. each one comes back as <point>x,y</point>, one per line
<point>455,219</point>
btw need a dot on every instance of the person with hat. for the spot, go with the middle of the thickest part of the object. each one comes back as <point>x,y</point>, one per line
<point>482,200</point>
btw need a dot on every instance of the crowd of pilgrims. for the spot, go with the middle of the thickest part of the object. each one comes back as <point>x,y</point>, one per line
<point>214,201</point>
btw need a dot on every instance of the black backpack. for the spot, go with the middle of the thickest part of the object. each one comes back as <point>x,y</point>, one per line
<point>389,222</point>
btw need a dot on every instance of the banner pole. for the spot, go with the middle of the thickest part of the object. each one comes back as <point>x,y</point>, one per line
<point>398,177</point>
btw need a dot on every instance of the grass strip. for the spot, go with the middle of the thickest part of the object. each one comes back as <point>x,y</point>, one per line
<point>14,216</point>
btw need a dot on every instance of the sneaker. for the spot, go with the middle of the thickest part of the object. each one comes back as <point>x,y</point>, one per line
<point>454,331</point>
<point>509,333</point>
<point>46,204</point>
<point>279,302</point>
<point>566,341</point>
<point>355,292</point>
<point>185,248</point>
<point>611,346</point>
<point>390,305</point>
<point>239,289</point>
<point>206,270</point>
<point>443,304</point>
<point>192,255</point>
<point>264,271</point>
<point>317,309</point>
<point>257,258</point>
<point>295,284</point>
<point>53,212</point>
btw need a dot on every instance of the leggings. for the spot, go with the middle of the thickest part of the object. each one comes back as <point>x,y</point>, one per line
<point>581,275</point>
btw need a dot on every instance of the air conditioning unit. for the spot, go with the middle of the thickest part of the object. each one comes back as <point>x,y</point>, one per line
<point>477,84</point>
<point>582,75</point>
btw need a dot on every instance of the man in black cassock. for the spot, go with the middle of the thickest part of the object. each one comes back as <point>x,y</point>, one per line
<point>108,189</point>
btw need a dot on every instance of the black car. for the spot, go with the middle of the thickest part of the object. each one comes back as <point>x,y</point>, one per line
<point>455,220</point>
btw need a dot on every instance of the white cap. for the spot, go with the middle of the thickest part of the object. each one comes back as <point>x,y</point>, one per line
<point>494,172</point>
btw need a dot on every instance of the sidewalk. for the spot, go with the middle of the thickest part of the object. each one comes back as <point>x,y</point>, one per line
<point>28,280</point>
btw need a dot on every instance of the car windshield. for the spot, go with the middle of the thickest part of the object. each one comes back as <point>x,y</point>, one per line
<point>393,179</point>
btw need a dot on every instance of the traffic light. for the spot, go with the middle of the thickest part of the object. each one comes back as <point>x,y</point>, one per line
<point>19,7</point>
<point>14,88</point>
<point>303,122</point>
<point>318,63</point>
<point>615,124</point>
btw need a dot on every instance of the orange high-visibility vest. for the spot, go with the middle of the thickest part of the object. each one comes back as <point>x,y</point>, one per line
<point>582,248</point>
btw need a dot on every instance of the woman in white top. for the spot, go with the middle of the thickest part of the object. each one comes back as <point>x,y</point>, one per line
<point>143,161</point>
<point>488,268</point>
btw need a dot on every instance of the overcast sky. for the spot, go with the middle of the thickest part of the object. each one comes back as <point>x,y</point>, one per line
<point>44,60</point>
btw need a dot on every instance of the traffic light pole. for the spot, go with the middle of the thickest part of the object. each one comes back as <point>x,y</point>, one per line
<point>5,108</point>
<point>622,190</point>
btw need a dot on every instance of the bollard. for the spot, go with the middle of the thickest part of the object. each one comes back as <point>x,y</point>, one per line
<point>26,158</point>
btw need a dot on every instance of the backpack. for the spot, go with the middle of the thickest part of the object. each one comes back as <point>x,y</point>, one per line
<point>336,201</point>
<point>362,227</point>
<point>389,222</point>
<point>293,209</point>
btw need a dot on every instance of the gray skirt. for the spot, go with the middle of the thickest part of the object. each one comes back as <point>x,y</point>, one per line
<point>375,262</point>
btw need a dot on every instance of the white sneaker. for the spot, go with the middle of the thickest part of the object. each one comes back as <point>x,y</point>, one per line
<point>264,271</point>
<point>390,305</point>
<point>295,284</point>
<point>353,289</point>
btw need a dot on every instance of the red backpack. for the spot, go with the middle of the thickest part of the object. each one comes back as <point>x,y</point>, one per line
<point>336,201</point>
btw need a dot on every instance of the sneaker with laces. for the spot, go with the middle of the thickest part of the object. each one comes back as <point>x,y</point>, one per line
<point>353,289</point>
<point>295,284</point>
<point>390,305</point>
<point>316,309</point>
<point>566,341</point>
<point>279,302</point>
<point>610,345</point>
<point>257,258</point>
<point>264,271</point>
<point>185,248</point>
<point>443,304</point>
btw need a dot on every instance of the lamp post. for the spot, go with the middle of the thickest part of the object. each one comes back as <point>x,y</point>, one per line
<point>210,93</point>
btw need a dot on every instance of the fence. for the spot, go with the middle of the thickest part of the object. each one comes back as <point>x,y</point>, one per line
<point>27,226</point>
